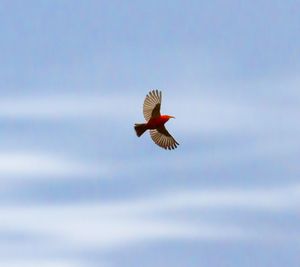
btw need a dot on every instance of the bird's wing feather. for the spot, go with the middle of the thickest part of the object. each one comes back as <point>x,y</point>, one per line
<point>151,107</point>
<point>163,138</point>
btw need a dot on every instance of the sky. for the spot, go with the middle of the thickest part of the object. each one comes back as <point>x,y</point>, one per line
<point>79,189</point>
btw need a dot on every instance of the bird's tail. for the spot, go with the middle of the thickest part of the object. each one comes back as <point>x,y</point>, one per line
<point>140,128</point>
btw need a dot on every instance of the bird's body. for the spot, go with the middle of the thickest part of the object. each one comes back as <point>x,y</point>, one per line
<point>155,122</point>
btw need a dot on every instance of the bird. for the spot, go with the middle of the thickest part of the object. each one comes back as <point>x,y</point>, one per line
<point>155,122</point>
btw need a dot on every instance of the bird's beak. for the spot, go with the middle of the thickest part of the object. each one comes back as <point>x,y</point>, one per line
<point>172,117</point>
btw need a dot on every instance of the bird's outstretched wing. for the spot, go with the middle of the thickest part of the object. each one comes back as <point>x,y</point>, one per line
<point>163,138</point>
<point>151,107</point>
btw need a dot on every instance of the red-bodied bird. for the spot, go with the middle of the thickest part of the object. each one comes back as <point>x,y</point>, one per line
<point>155,122</point>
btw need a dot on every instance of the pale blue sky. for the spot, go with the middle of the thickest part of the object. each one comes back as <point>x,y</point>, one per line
<point>78,188</point>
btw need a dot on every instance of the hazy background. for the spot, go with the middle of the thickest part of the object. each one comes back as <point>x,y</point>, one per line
<point>78,188</point>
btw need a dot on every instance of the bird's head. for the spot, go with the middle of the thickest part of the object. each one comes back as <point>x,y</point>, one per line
<point>167,117</point>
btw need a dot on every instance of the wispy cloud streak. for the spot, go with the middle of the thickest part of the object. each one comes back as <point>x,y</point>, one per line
<point>31,165</point>
<point>66,107</point>
<point>276,199</point>
<point>44,263</point>
<point>203,112</point>
<point>111,225</point>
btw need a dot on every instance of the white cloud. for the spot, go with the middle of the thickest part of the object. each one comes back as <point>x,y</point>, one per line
<point>67,107</point>
<point>42,263</point>
<point>267,199</point>
<point>30,164</point>
<point>113,225</point>
<point>203,112</point>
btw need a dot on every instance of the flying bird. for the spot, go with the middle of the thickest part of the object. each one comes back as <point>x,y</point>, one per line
<point>155,122</point>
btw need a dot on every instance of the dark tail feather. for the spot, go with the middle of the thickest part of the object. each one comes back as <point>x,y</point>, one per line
<point>140,128</point>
